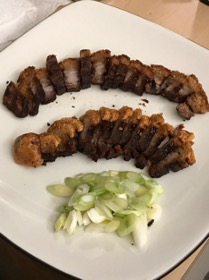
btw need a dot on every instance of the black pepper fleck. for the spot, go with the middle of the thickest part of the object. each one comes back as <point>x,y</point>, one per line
<point>7,82</point>
<point>145,100</point>
<point>150,222</point>
<point>48,124</point>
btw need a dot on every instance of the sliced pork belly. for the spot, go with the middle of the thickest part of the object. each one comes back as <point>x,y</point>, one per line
<point>132,74</point>
<point>145,74</point>
<point>32,89</point>
<point>198,102</point>
<point>85,68</point>
<point>157,76</point>
<point>159,136</point>
<point>49,92</point>
<point>176,87</point>
<point>99,61</point>
<point>55,74</point>
<point>15,101</point>
<point>176,160</point>
<point>117,67</point>
<point>184,111</point>
<point>71,70</point>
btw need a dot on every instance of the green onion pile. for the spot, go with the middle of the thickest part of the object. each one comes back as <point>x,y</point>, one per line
<point>110,201</point>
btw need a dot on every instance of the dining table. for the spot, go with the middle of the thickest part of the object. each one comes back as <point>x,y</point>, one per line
<point>188,18</point>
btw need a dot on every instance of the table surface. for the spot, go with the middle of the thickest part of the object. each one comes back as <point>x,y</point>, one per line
<point>189,18</point>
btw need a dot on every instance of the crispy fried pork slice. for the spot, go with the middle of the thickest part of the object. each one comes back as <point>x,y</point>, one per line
<point>159,136</point>
<point>198,102</point>
<point>60,140</point>
<point>99,61</point>
<point>27,150</point>
<point>176,160</point>
<point>121,71</point>
<point>55,74</point>
<point>184,111</point>
<point>71,70</point>
<point>174,155</point>
<point>132,74</point>
<point>85,68</point>
<point>49,92</point>
<point>145,74</point>
<point>31,88</point>
<point>177,87</point>
<point>15,101</point>
<point>156,79</point>
<point>116,69</point>
<point>141,138</point>
<point>66,129</point>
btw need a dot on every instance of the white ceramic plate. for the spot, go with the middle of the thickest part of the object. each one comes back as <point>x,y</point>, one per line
<point>28,211</point>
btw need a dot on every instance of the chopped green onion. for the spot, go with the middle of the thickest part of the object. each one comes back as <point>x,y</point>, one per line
<point>60,190</point>
<point>110,201</point>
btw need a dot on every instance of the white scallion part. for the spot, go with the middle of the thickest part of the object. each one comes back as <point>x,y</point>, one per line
<point>86,220</point>
<point>95,216</point>
<point>71,222</point>
<point>110,201</point>
<point>60,222</point>
<point>112,226</point>
<point>79,218</point>
<point>96,228</point>
<point>154,213</point>
<point>140,231</point>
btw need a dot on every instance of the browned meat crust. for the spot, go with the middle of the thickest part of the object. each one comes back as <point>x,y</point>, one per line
<point>85,68</point>
<point>108,71</point>
<point>55,74</point>
<point>109,133</point>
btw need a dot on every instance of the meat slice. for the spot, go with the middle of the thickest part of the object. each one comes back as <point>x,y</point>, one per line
<point>85,68</point>
<point>121,71</point>
<point>99,61</point>
<point>65,128</point>
<point>184,111</point>
<point>132,74</point>
<point>49,92</point>
<point>27,150</point>
<point>55,74</point>
<point>117,67</point>
<point>71,70</point>
<point>31,88</point>
<point>160,135</point>
<point>156,79</point>
<point>198,102</point>
<point>104,149</point>
<point>177,160</point>
<point>177,87</point>
<point>145,74</point>
<point>15,101</point>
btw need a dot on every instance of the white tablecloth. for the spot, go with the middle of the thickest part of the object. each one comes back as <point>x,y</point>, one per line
<point>18,16</point>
